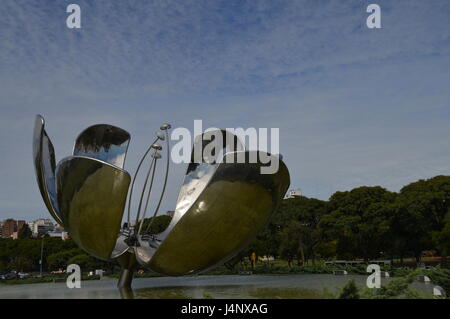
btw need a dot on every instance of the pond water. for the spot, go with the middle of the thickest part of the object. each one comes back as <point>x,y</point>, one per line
<point>305,286</point>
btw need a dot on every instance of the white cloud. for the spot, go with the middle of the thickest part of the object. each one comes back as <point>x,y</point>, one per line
<point>355,106</point>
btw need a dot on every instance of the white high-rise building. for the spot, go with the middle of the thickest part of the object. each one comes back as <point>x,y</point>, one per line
<point>42,226</point>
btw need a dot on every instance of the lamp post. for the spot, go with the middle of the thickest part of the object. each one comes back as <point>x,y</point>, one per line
<point>40,260</point>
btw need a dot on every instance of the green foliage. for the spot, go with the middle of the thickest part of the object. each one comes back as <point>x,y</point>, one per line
<point>158,225</point>
<point>293,231</point>
<point>396,288</point>
<point>349,291</point>
<point>24,254</point>
<point>359,220</point>
<point>60,260</point>
<point>88,263</point>
<point>291,241</point>
<point>441,238</point>
<point>420,211</point>
<point>364,223</point>
<point>25,232</point>
<point>327,249</point>
<point>440,277</point>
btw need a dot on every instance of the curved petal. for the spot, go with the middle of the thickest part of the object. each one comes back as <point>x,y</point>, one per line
<point>201,170</point>
<point>104,142</point>
<point>44,164</point>
<point>121,246</point>
<point>145,250</point>
<point>91,197</point>
<point>234,205</point>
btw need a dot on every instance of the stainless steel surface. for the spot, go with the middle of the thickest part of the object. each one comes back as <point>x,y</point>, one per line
<point>235,203</point>
<point>151,171</point>
<point>121,246</point>
<point>196,178</point>
<point>145,250</point>
<point>92,196</point>
<point>141,161</point>
<point>104,142</point>
<point>157,147</point>
<point>198,174</point>
<point>160,135</point>
<point>44,164</point>
<point>221,205</point>
<point>166,130</point>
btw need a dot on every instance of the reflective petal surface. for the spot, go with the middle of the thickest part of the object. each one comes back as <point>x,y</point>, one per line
<point>44,164</point>
<point>104,142</point>
<point>236,202</point>
<point>92,196</point>
<point>199,173</point>
<point>121,246</point>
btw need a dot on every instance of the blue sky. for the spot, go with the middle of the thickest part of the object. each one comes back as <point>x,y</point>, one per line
<point>354,106</point>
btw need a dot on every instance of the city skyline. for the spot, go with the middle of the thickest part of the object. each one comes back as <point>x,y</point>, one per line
<point>354,106</point>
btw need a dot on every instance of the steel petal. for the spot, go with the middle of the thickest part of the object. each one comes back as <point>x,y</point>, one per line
<point>91,197</point>
<point>104,142</point>
<point>44,164</point>
<point>199,174</point>
<point>235,204</point>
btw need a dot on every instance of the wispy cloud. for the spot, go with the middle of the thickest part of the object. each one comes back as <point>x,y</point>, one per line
<point>355,106</point>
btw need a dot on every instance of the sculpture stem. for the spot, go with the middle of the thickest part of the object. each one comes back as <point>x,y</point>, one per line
<point>128,263</point>
<point>126,277</point>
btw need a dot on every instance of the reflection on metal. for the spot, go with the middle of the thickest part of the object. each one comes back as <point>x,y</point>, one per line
<point>235,203</point>
<point>104,142</point>
<point>221,205</point>
<point>44,164</point>
<point>92,196</point>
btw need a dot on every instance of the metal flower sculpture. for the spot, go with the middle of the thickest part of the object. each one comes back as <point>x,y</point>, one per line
<point>221,205</point>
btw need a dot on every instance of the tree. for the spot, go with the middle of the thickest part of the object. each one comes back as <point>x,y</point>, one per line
<point>441,239</point>
<point>421,210</point>
<point>60,260</point>
<point>20,263</point>
<point>359,220</point>
<point>25,232</point>
<point>327,249</point>
<point>291,245</point>
<point>82,260</point>
<point>306,233</point>
<point>88,263</point>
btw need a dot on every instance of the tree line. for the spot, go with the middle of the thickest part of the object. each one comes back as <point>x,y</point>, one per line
<point>363,223</point>
<point>24,253</point>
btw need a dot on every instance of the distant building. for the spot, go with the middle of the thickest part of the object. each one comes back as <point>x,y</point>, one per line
<point>293,193</point>
<point>42,226</point>
<point>44,229</point>
<point>31,225</point>
<point>55,234</point>
<point>9,227</point>
<point>59,232</point>
<point>20,224</point>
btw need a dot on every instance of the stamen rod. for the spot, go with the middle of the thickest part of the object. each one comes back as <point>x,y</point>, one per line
<point>134,179</point>
<point>144,188</point>
<point>147,200</point>
<point>165,182</point>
